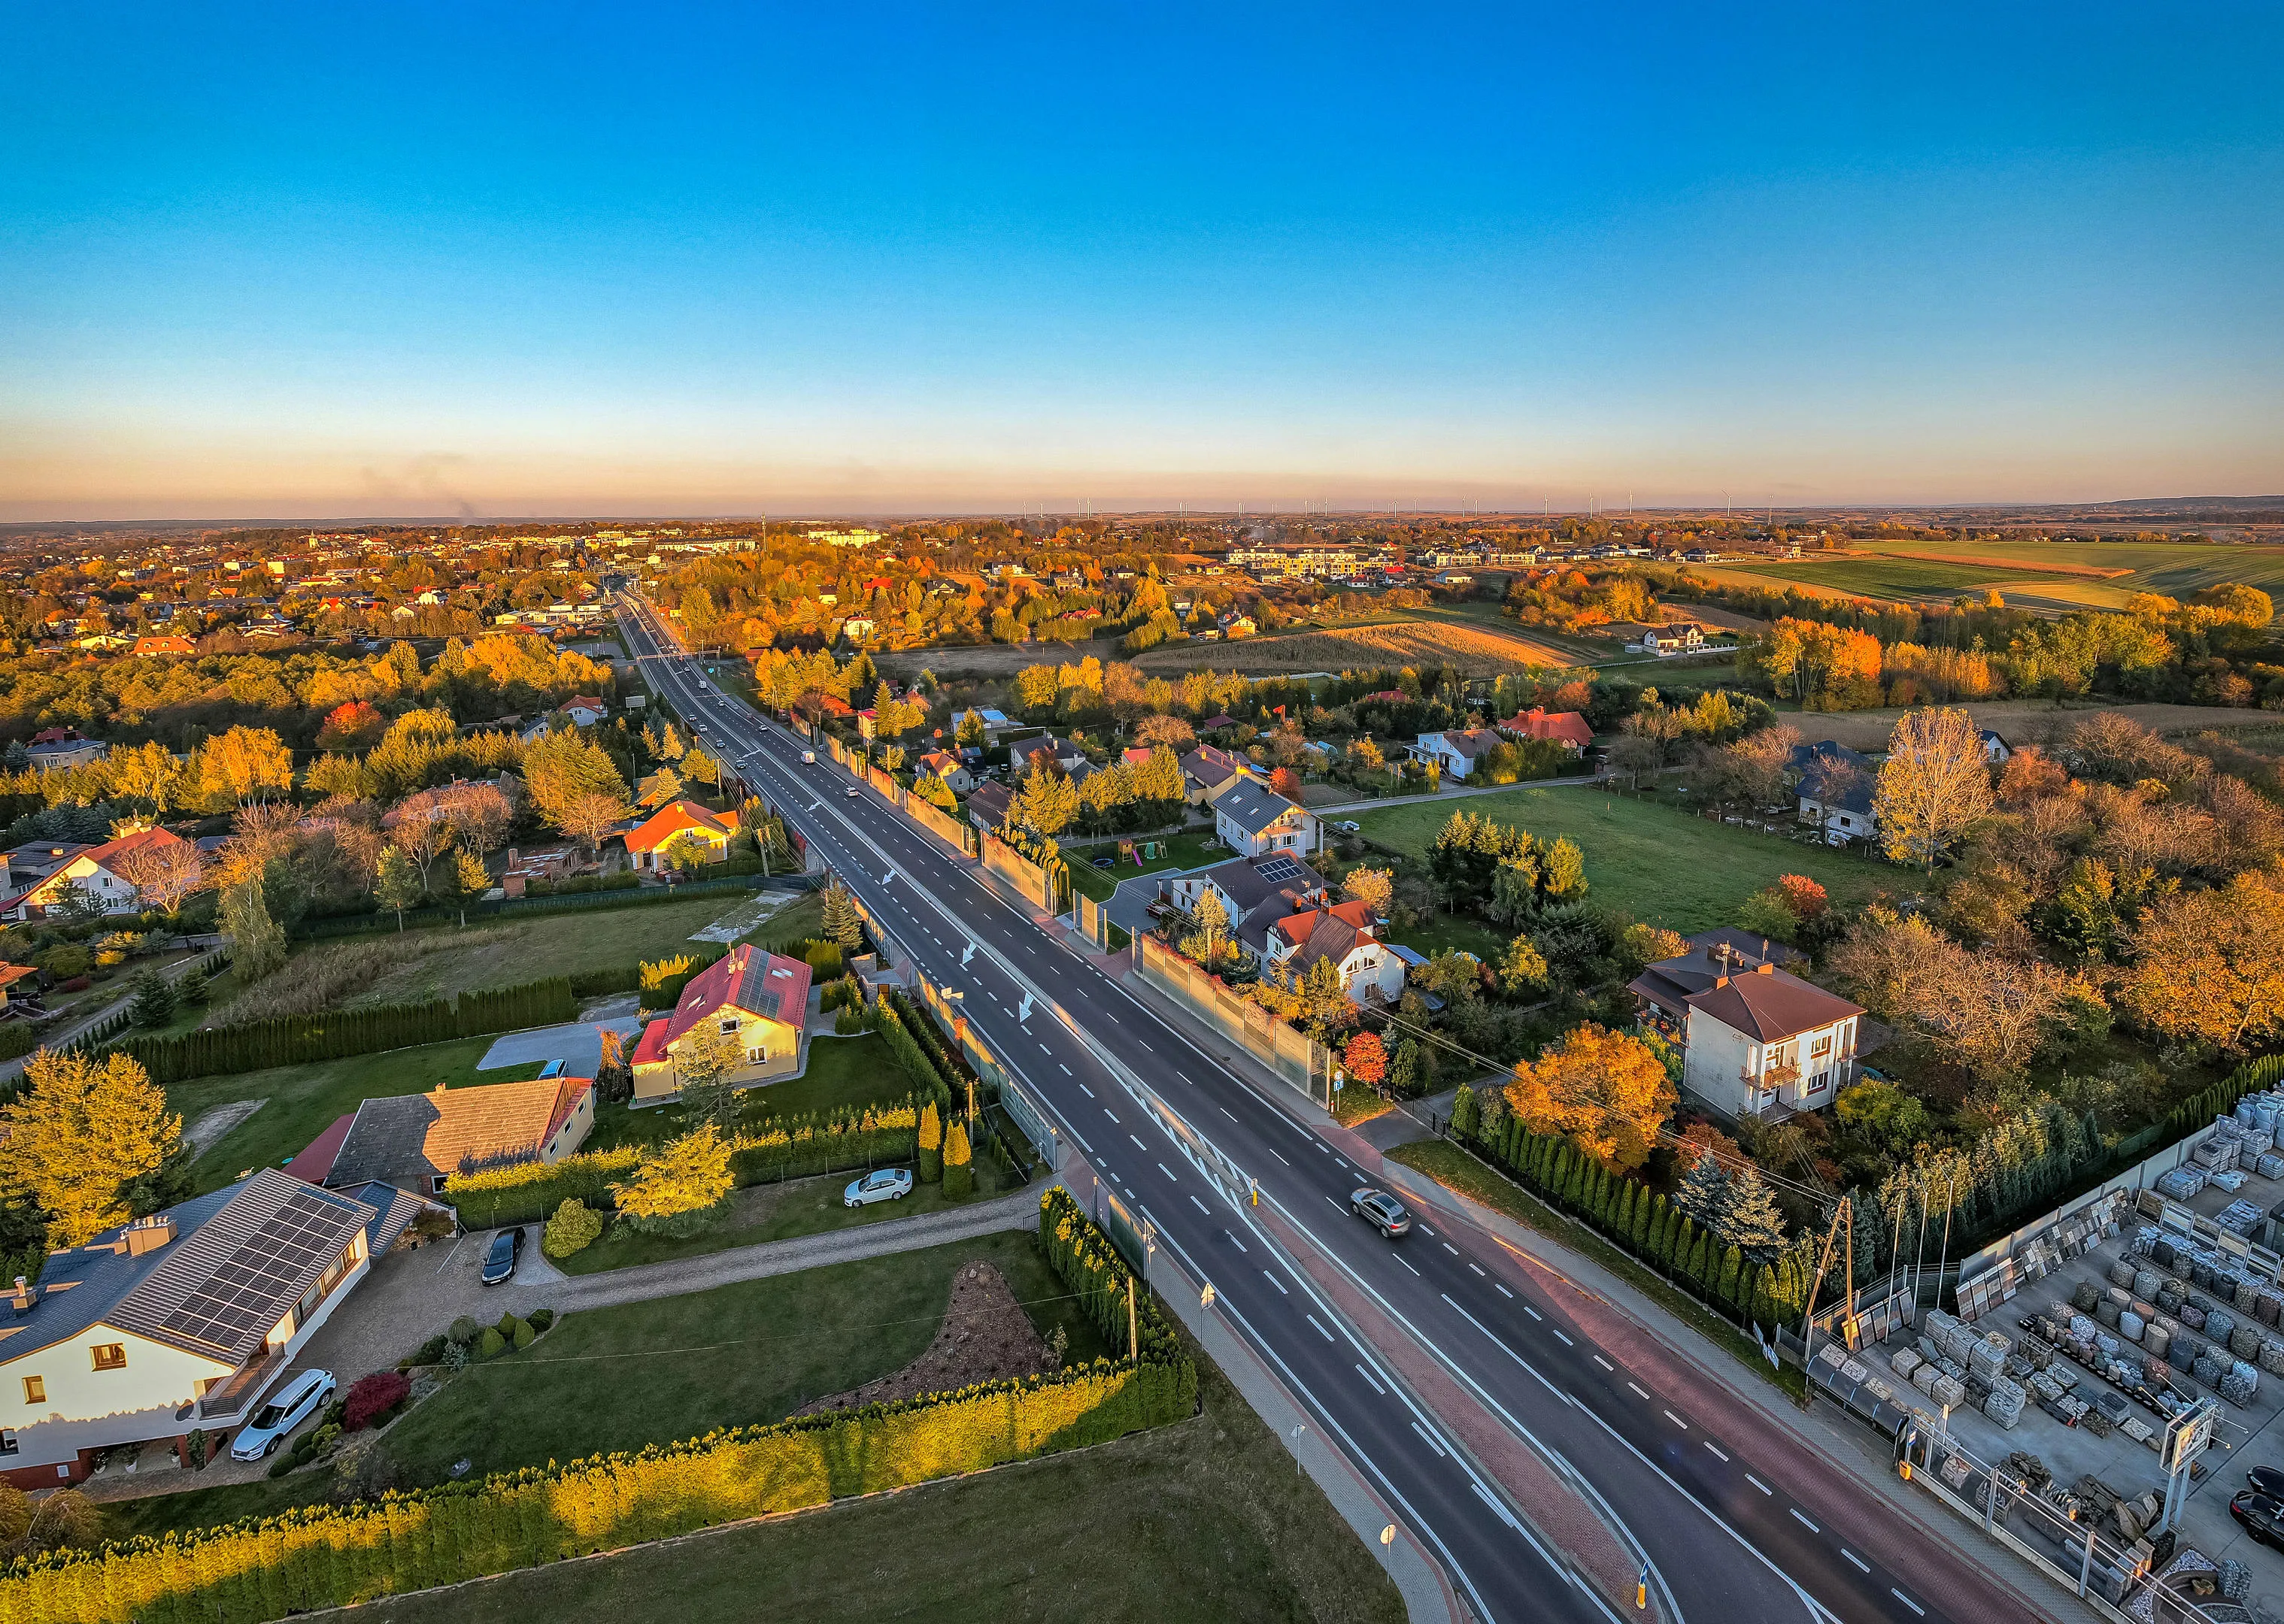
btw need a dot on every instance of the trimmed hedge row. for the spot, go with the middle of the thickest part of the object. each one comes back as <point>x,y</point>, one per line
<point>1644,1223</point>
<point>297,1040</point>
<point>794,1147</point>
<point>1084,1260</point>
<point>340,1556</point>
<point>909,1054</point>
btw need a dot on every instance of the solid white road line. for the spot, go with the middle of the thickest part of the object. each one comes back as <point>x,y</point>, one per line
<point>1803,1521</point>
<point>1717,1450</point>
<point>1756,1483</point>
<point>1375,1386</point>
<point>1861,1564</point>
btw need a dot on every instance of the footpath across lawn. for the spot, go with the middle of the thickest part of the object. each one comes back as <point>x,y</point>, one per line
<point>1661,865</point>
<point>1207,1521</point>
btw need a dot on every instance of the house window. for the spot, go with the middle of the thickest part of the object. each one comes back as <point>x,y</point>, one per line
<point>1820,1047</point>
<point>729,1023</point>
<point>110,1356</point>
<point>757,1055</point>
<point>35,1389</point>
<point>7,1440</point>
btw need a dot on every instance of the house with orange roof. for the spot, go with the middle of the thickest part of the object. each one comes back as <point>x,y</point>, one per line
<point>99,873</point>
<point>648,838</point>
<point>1564,727</point>
<point>1349,935</point>
<point>759,999</point>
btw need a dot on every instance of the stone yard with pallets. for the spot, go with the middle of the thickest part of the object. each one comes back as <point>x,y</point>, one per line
<point>2087,1362</point>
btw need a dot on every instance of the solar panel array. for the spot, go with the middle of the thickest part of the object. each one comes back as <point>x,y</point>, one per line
<point>268,1273</point>
<point>1279,869</point>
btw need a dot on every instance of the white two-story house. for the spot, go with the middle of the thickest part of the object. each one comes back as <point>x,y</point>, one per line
<point>1346,933</point>
<point>1252,818</point>
<point>1756,1040</point>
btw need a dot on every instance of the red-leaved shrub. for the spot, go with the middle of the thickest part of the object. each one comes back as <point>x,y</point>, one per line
<point>372,1397</point>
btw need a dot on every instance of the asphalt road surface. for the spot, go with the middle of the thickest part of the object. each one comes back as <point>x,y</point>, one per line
<point>1739,1524</point>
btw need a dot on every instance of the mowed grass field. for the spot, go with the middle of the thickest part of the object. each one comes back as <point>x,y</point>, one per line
<point>1902,578</point>
<point>1477,650</point>
<point>1649,860</point>
<point>2045,574</point>
<point>1207,1521</point>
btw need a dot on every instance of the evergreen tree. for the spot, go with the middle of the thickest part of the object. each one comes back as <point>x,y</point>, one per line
<point>958,1176</point>
<point>1704,1193</point>
<point>398,884</point>
<point>1732,1265</point>
<point>1752,1222</point>
<point>154,999</point>
<point>1645,1211</point>
<point>931,1144</point>
<point>843,922</point>
<point>257,942</point>
<point>1463,1102</point>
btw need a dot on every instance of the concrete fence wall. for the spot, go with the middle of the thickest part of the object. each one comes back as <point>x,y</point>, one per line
<point>1293,1056</point>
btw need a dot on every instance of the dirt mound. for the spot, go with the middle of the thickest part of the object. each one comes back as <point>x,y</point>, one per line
<point>985,1336</point>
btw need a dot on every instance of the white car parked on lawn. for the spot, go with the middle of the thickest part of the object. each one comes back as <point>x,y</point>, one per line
<point>885,1184</point>
<point>300,1399</point>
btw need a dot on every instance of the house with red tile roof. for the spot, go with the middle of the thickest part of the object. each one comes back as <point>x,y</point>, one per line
<point>710,830</point>
<point>1565,727</point>
<point>1348,934</point>
<point>759,998</point>
<point>99,873</point>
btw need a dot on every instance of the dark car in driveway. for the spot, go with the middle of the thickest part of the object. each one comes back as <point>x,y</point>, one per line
<point>2267,1481</point>
<point>506,1252</point>
<point>2260,1516</point>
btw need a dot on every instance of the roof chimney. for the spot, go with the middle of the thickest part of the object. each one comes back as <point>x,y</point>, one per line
<point>23,1297</point>
<point>149,1234</point>
<point>1764,968</point>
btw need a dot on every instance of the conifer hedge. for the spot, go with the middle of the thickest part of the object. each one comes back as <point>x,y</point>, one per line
<point>297,1040</point>
<point>328,1555</point>
<point>1084,1260</point>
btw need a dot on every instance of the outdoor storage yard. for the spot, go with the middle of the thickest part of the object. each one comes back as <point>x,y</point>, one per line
<point>2174,1299</point>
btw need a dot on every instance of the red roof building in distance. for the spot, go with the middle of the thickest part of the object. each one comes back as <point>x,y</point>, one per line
<point>761,999</point>
<point>1137,758</point>
<point>165,645</point>
<point>710,830</point>
<point>100,872</point>
<point>1564,727</point>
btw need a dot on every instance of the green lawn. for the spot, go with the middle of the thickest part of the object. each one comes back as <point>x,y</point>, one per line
<point>842,1071</point>
<point>1188,851</point>
<point>668,1368</point>
<point>1899,578</point>
<point>1456,932</point>
<point>1649,860</point>
<point>1205,1522</point>
<point>303,1100</point>
<point>773,1212</point>
<point>531,949</point>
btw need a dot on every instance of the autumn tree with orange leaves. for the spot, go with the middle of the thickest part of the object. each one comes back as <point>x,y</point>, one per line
<point>1604,1090</point>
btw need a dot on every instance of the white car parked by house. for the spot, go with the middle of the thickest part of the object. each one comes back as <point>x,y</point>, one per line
<point>301,1399</point>
<point>883,1184</point>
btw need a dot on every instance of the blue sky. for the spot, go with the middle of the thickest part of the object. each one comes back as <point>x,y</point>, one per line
<point>319,261</point>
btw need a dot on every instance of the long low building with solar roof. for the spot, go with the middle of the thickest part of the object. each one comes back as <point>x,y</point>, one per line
<point>174,1323</point>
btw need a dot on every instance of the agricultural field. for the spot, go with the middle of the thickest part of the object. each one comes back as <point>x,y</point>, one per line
<point>1650,860</point>
<point>2060,575</point>
<point>1208,1520</point>
<point>1906,579</point>
<point>2019,722</point>
<point>1476,650</point>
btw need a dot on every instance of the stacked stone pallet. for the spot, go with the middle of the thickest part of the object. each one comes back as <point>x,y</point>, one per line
<point>1904,1361</point>
<point>2004,1403</point>
<point>2241,1382</point>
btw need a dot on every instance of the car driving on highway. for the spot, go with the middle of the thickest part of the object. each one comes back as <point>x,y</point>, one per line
<point>1381,1210</point>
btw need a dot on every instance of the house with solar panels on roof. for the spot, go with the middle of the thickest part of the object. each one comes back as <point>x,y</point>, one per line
<point>174,1323</point>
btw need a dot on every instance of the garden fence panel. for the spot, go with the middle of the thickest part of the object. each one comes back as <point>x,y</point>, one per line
<point>1294,1057</point>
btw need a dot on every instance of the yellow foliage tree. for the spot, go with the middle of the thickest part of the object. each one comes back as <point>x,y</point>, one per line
<point>1606,1091</point>
<point>1934,786</point>
<point>685,1175</point>
<point>2210,964</point>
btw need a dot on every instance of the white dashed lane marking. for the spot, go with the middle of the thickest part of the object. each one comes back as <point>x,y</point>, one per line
<point>1717,1451</point>
<point>1375,1386</point>
<point>1319,1329</point>
<point>1639,1392</point>
<point>1907,1602</point>
<point>1274,1280</point>
<point>1503,1292</point>
<point>1803,1521</point>
<point>1756,1483</point>
<point>1606,1364</point>
<point>1861,1564</point>
<point>1677,1420</point>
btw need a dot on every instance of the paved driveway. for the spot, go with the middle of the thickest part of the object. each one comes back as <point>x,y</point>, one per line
<point>579,1045</point>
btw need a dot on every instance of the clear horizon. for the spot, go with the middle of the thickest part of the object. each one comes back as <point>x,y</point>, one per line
<point>267,263</point>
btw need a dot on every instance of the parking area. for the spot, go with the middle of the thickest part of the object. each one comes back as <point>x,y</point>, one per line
<point>579,1045</point>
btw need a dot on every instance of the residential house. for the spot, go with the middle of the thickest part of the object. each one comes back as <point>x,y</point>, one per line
<point>1457,750</point>
<point>1756,1040</point>
<point>177,1321</point>
<point>1208,771</point>
<point>711,831</point>
<point>584,710</point>
<point>1835,787</point>
<point>1348,934</point>
<point>1677,638</point>
<point>53,749</point>
<point>995,724</point>
<point>759,998</point>
<point>1252,818</point>
<point>1253,892</point>
<point>415,1142</point>
<point>1995,749</point>
<point>146,646</point>
<point>96,871</point>
<point>1569,727</point>
<point>1022,754</point>
<point>949,768</point>
<point>988,806</point>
